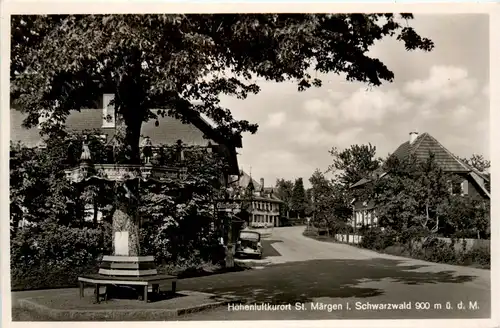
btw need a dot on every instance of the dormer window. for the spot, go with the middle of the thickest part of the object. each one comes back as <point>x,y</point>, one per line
<point>108,111</point>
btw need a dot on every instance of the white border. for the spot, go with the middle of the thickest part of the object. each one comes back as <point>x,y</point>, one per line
<point>117,6</point>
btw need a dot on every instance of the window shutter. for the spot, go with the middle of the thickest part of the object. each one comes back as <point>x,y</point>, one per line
<point>465,187</point>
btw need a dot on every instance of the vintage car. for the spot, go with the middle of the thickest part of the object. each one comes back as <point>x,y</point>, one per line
<point>249,245</point>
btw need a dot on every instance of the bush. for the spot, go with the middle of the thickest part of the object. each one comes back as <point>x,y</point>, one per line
<point>378,239</point>
<point>52,256</point>
<point>480,256</point>
<point>435,250</point>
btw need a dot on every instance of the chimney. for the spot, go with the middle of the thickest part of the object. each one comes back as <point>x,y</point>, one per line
<point>262,183</point>
<point>413,136</point>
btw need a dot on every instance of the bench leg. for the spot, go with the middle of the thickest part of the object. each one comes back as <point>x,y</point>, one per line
<point>174,286</point>
<point>97,293</point>
<point>156,288</point>
<point>146,293</point>
<point>80,285</point>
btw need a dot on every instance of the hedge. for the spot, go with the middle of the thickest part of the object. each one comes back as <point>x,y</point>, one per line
<point>433,250</point>
<point>52,256</point>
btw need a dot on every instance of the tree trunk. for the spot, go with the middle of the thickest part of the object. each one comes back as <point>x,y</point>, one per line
<point>126,220</point>
<point>125,225</point>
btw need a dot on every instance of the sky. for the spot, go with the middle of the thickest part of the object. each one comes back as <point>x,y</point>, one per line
<point>444,93</point>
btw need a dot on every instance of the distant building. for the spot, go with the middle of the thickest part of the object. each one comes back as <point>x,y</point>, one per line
<point>472,182</point>
<point>264,204</point>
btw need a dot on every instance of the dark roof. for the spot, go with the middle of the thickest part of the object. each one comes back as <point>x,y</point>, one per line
<point>425,144</point>
<point>245,180</point>
<point>421,148</point>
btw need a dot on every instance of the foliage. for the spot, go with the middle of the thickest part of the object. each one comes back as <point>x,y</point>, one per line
<point>412,194</point>
<point>465,217</point>
<point>310,200</point>
<point>322,200</point>
<point>178,216</point>
<point>299,199</point>
<point>284,191</point>
<point>160,64</point>
<point>478,162</point>
<point>39,190</point>
<point>378,239</point>
<point>51,255</point>
<point>354,163</point>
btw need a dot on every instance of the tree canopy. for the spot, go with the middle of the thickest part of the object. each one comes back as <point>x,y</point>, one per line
<point>354,163</point>
<point>179,65</point>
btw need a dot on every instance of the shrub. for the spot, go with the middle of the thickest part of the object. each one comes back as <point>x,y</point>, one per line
<point>435,250</point>
<point>480,256</point>
<point>51,256</point>
<point>378,239</point>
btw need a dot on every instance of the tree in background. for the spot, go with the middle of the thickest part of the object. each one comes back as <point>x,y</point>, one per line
<point>310,199</point>
<point>284,191</point>
<point>322,201</point>
<point>331,208</point>
<point>354,163</point>
<point>478,162</point>
<point>299,199</point>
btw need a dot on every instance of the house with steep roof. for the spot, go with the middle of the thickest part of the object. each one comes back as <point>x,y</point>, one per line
<point>196,132</point>
<point>420,146</point>
<point>265,205</point>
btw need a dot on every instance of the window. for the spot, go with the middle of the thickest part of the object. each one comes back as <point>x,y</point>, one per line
<point>455,187</point>
<point>108,111</point>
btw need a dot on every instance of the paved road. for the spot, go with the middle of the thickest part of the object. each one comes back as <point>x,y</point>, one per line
<point>320,280</point>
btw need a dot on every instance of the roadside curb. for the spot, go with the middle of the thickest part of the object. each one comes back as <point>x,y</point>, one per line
<point>144,314</point>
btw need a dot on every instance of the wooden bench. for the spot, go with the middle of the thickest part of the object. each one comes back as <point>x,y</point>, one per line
<point>126,271</point>
<point>99,280</point>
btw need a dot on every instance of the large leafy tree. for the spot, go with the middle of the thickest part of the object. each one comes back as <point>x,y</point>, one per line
<point>354,163</point>
<point>179,65</point>
<point>158,64</point>
<point>413,194</point>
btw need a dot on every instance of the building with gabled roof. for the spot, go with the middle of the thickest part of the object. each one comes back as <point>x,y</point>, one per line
<point>420,146</point>
<point>192,131</point>
<point>265,205</point>
<point>196,131</point>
